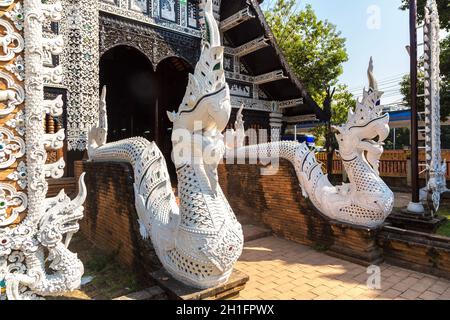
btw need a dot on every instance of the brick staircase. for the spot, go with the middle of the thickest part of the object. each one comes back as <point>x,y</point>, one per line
<point>252,230</point>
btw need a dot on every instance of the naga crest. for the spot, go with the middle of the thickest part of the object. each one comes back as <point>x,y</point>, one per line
<point>207,97</point>
<point>364,125</point>
<point>97,135</point>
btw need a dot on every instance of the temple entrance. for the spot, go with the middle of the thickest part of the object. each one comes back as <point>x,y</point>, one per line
<point>172,76</point>
<point>138,97</point>
<point>132,93</point>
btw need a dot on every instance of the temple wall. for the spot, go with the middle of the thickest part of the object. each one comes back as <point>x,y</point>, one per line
<point>277,201</point>
<point>273,200</point>
<point>414,250</point>
<point>11,117</point>
<point>110,218</point>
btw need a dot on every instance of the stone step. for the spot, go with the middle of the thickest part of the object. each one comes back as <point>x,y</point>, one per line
<point>152,293</point>
<point>247,219</point>
<point>252,232</point>
<point>180,291</point>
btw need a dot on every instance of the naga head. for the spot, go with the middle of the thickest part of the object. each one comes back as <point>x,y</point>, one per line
<point>206,104</point>
<point>366,127</point>
<point>61,217</point>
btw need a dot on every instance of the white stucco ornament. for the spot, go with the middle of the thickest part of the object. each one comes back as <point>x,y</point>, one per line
<point>35,231</point>
<point>199,241</point>
<point>366,200</point>
<point>436,166</point>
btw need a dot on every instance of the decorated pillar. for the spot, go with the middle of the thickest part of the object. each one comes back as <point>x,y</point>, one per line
<point>13,180</point>
<point>436,167</point>
<point>183,13</point>
<point>276,123</point>
<point>35,231</point>
<point>82,69</point>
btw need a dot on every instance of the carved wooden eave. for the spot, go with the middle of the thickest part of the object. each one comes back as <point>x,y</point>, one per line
<point>151,19</point>
<point>269,77</point>
<point>253,44</point>
<point>290,103</point>
<point>302,118</point>
<point>236,19</point>
<point>249,47</point>
<point>155,42</point>
<point>289,72</point>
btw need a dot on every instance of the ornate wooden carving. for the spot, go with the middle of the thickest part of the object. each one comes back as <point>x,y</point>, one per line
<point>156,43</point>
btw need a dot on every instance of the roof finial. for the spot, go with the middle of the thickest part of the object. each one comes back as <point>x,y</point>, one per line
<point>211,28</point>
<point>372,81</point>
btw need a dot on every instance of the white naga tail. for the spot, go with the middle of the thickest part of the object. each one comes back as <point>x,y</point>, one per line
<point>366,200</point>
<point>199,241</point>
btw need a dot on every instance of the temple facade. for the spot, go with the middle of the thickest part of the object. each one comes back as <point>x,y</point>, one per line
<point>143,51</point>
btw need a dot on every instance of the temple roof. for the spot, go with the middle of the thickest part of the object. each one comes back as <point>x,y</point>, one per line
<point>267,58</point>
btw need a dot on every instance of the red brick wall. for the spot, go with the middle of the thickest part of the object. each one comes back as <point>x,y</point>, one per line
<point>110,218</point>
<point>277,201</point>
<point>419,251</point>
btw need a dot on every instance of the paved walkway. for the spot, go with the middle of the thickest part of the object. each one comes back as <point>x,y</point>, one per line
<point>281,269</point>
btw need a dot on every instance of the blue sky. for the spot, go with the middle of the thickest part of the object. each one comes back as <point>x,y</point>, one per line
<point>385,40</point>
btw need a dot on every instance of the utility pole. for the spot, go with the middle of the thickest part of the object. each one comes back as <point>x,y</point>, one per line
<point>327,108</point>
<point>415,206</point>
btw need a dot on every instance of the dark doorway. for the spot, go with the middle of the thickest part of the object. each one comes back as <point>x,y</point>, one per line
<point>132,93</point>
<point>138,98</point>
<point>173,75</point>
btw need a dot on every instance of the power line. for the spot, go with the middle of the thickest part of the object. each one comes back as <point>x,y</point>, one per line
<point>385,84</point>
<point>388,95</point>
<point>385,81</point>
<point>384,89</point>
<point>381,87</point>
<point>390,78</point>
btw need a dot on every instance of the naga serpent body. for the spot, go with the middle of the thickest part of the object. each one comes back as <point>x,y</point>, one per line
<point>199,241</point>
<point>366,200</point>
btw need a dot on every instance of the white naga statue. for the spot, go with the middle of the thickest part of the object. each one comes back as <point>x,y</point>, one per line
<point>366,200</point>
<point>199,241</point>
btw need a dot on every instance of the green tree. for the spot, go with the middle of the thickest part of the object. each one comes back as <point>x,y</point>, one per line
<point>444,17</point>
<point>443,8</point>
<point>316,52</point>
<point>314,48</point>
<point>342,101</point>
<point>402,138</point>
<point>445,77</point>
<point>405,84</point>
